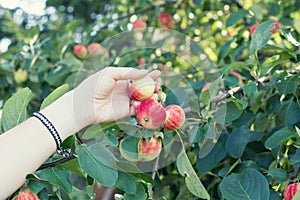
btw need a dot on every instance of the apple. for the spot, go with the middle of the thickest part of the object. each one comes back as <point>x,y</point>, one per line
<point>151,114</point>
<point>291,190</point>
<point>252,29</point>
<point>21,76</point>
<point>175,117</point>
<point>80,51</point>
<point>141,89</point>
<point>149,150</point>
<point>139,23</point>
<point>165,20</point>
<point>140,61</point>
<point>95,49</point>
<point>276,26</point>
<point>205,87</point>
<point>26,195</point>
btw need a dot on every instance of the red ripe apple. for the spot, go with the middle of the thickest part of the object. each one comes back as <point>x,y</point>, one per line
<point>205,87</point>
<point>95,49</point>
<point>275,25</point>
<point>290,191</point>
<point>21,76</point>
<point>80,51</point>
<point>139,24</point>
<point>26,195</point>
<point>252,29</point>
<point>149,150</point>
<point>166,20</point>
<point>141,89</point>
<point>175,117</point>
<point>151,114</point>
<point>140,61</point>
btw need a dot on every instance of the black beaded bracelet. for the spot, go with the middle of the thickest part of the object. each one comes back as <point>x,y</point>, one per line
<point>54,133</point>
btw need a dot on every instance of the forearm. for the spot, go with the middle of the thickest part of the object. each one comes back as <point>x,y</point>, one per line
<point>25,147</point>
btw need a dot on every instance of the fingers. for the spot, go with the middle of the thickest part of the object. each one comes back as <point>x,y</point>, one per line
<point>124,73</point>
<point>155,74</point>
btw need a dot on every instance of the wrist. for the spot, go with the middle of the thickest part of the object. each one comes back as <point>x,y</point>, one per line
<point>61,114</point>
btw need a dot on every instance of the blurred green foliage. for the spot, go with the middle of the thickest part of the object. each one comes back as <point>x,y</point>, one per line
<point>243,131</point>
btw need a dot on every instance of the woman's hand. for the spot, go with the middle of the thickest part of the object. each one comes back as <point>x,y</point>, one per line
<point>103,96</point>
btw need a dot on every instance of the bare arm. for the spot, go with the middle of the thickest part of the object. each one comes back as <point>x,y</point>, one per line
<point>100,98</point>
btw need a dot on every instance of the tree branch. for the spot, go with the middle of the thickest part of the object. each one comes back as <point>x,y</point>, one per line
<point>56,162</point>
<point>225,95</point>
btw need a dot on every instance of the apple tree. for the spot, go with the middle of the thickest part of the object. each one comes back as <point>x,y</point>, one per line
<point>231,68</point>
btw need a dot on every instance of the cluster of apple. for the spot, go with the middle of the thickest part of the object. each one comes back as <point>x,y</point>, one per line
<point>165,20</point>
<point>152,114</point>
<point>94,49</point>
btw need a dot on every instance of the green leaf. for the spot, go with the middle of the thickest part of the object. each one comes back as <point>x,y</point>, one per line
<point>58,92</point>
<point>214,156</point>
<point>35,184</point>
<point>293,114</point>
<point>295,159</point>
<point>224,50</point>
<point>258,11</point>
<point>58,176</point>
<point>93,132</point>
<point>192,180</point>
<point>230,111</point>
<point>237,141</point>
<point>139,195</point>
<point>56,76</point>
<point>234,17</point>
<point>250,89</point>
<point>127,182</point>
<point>249,184</point>
<point>129,148</point>
<point>261,36</point>
<point>279,175</point>
<point>14,110</point>
<point>205,97</point>
<point>287,85</point>
<point>214,87</point>
<point>278,138</point>
<point>99,163</point>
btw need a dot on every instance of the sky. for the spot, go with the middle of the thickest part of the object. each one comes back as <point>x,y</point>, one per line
<point>35,7</point>
<point>30,6</point>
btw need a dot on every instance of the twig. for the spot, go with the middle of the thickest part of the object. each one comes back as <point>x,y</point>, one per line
<point>295,173</point>
<point>155,166</point>
<point>56,162</point>
<point>231,92</point>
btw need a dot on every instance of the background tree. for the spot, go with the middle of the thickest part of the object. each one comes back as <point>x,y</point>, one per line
<point>232,65</point>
